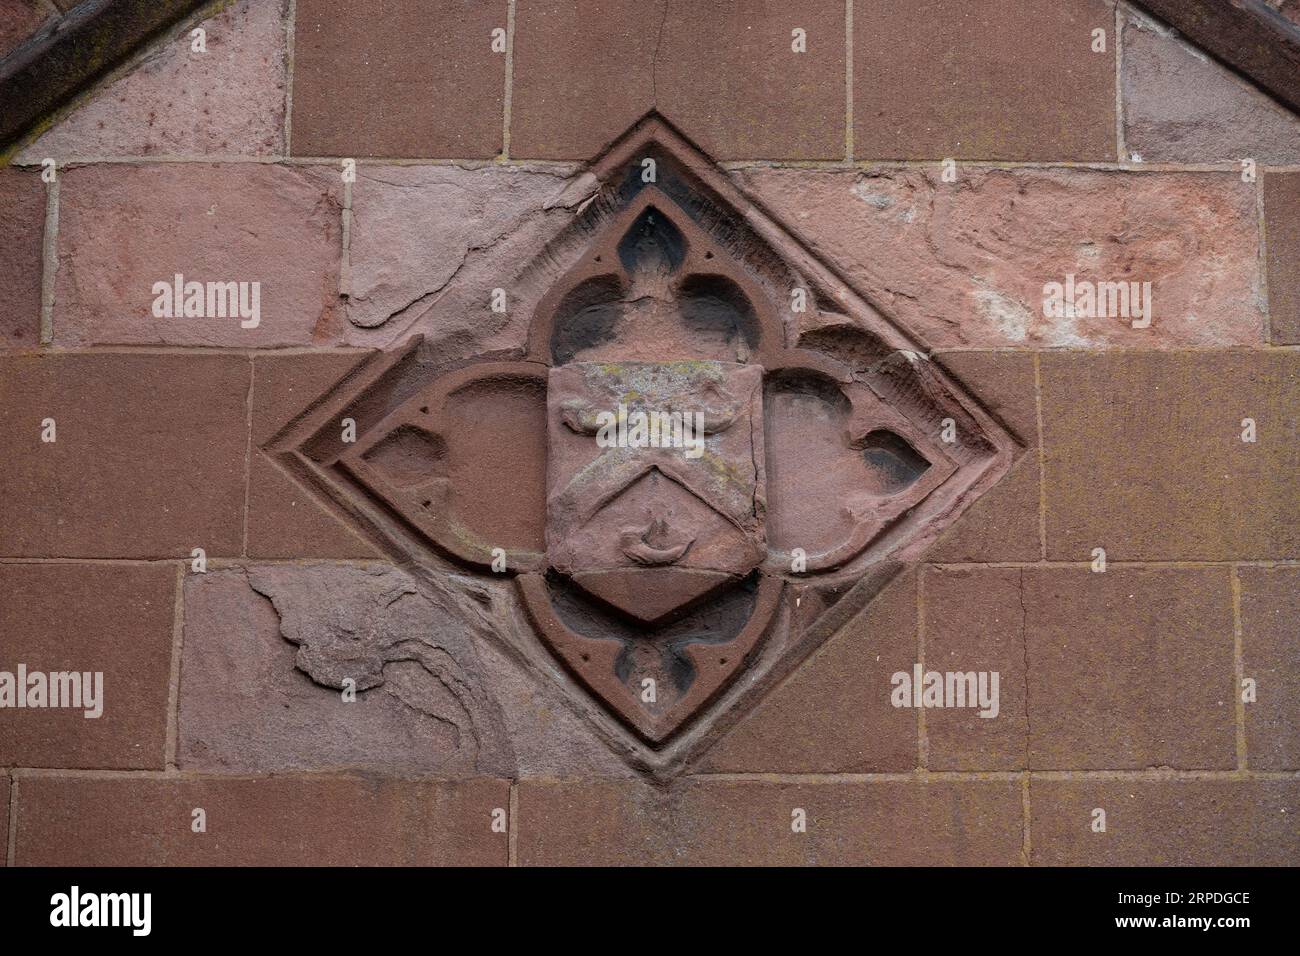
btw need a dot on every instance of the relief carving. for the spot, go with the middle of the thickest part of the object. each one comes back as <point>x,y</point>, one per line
<point>705,454</point>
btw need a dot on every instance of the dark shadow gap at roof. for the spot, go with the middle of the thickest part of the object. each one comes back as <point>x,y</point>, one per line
<point>71,53</point>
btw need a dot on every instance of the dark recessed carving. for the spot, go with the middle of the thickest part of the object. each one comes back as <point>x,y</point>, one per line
<point>705,443</point>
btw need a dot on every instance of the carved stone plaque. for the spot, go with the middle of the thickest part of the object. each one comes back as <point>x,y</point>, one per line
<point>705,454</point>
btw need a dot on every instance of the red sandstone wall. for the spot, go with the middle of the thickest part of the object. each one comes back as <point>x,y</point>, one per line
<point>1120,690</point>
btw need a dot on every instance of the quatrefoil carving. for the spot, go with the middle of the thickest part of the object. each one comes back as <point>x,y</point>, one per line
<point>655,577</point>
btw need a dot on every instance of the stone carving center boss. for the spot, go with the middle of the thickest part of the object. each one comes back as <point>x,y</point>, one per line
<point>794,449</point>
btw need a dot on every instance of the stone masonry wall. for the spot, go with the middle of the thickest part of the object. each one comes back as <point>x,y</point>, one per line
<point>947,159</point>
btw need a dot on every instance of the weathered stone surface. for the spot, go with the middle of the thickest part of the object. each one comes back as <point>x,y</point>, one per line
<point>1165,822</point>
<point>254,700</point>
<point>1111,685</point>
<point>1009,79</point>
<point>87,618</point>
<point>833,715</point>
<point>123,228</point>
<point>549,736</point>
<point>148,460</point>
<point>285,519</point>
<point>720,72</point>
<point>967,262</point>
<point>1282,239</point>
<point>269,821</point>
<point>1270,635</point>
<point>384,631</point>
<point>434,695</point>
<point>64,58</point>
<point>4,820</point>
<point>432,242</point>
<point>975,622</point>
<point>1002,525</point>
<point>1182,107</point>
<point>1245,35</point>
<point>628,508</point>
<point>410,78</point>
<point>1144,456</point>
<point>229,101</point>
<point>1128,669</point>
<point>22,230</point>
<point>565,56</point>
<point>19,19</point>
<point>708,823</point>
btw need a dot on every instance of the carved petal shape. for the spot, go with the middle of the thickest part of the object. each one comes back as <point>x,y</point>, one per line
<point>842,466</point>
<point>464,462</point>
<point>656,688</point>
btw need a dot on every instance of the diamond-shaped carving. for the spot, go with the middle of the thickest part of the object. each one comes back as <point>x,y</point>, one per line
<point>802,451</point>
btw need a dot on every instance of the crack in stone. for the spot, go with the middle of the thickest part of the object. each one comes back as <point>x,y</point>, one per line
<point>362,625</point>
<point>464,258</point>
<point>473,252</point>
<point>446,677</point>
<point>654,58</point>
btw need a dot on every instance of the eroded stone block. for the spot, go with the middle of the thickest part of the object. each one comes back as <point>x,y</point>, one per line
<point>298,667</point>
<point>969,262</point>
